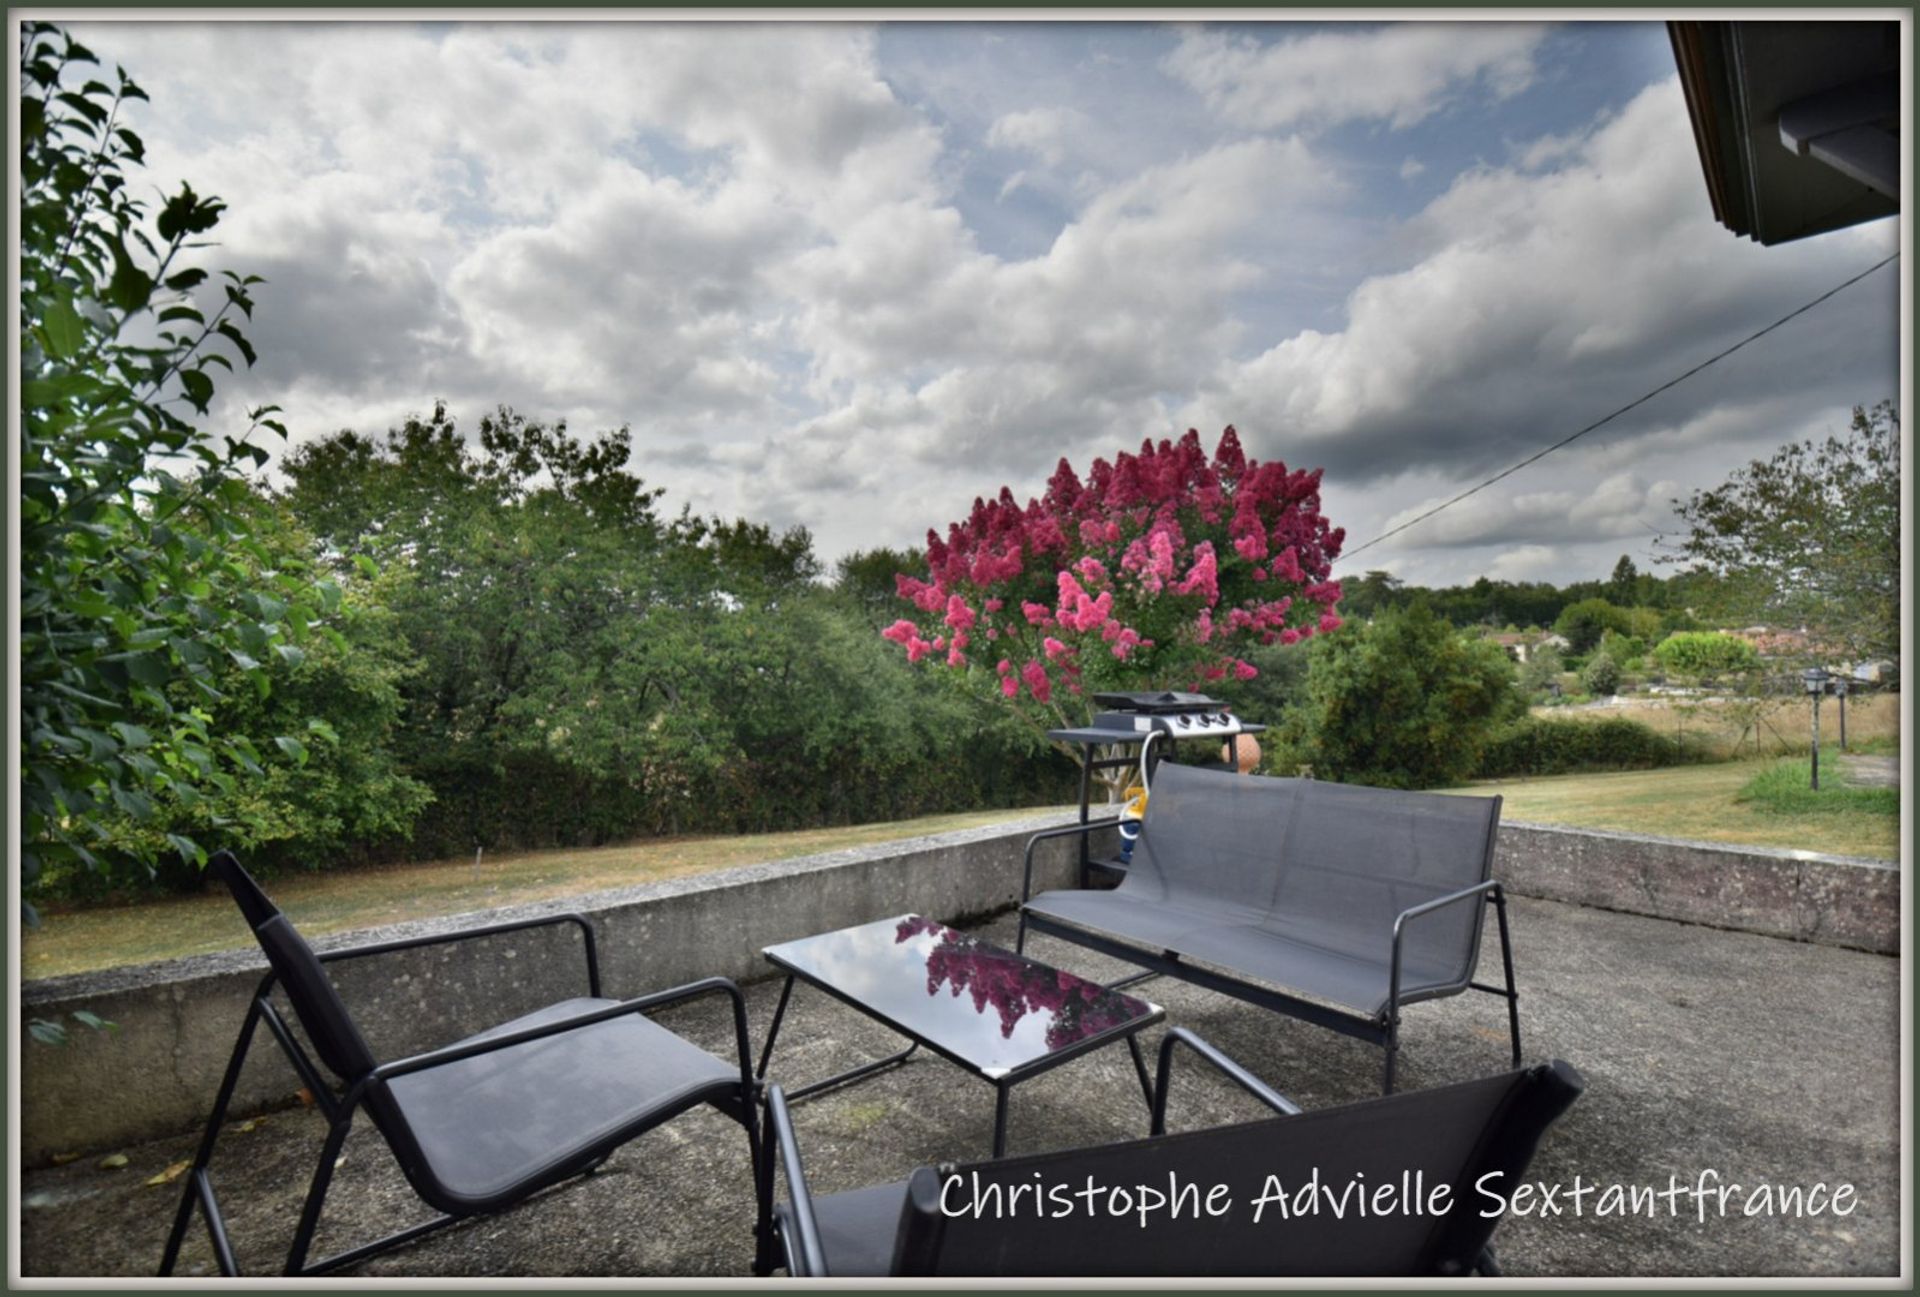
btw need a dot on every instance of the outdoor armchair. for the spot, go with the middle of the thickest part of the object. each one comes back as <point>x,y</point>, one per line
<point>482,1124</point>
<point>1441,1153</point>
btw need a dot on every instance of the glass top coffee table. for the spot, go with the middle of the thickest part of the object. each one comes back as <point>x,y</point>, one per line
<point>1001,1016</point>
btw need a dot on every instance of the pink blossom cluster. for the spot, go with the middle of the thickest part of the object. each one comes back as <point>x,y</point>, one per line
<point>1155,571</point>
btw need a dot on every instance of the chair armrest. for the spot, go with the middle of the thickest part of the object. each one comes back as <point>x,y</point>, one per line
<point>491,930</point>
<point>806,1258</point>
<point>1492,885</point>
<point>1026,882</point>
<point>472,1049</point>
<point>1239,1075</point>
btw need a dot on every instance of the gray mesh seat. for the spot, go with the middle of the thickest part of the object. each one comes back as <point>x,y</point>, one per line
<point>483,1123</point>
<point>1336,903</point>
<point>1456,1143</point>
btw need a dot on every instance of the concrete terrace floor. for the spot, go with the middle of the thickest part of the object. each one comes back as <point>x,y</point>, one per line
<point>1764,1060</point>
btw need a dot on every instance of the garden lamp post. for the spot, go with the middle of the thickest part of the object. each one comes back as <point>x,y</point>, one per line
<point>1815,678</point>
<point>1840,692</point>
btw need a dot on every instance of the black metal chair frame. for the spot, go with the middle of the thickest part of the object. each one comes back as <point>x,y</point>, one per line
<point>1383,1030</point>
<point>339,1109</point>
<point>798,1234</point>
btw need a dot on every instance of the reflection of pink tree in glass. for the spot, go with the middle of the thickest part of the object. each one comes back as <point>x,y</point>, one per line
<point>1016,987</point>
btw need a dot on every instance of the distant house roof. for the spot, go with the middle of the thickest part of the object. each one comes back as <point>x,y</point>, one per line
<point>1797,123</point>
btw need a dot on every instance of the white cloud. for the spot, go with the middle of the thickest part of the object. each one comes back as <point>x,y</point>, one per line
<point>1046,133</point>
<point>1539,302</point>
<point>751,244</point>
<point>1400,74</point>
<point>1623,506</point>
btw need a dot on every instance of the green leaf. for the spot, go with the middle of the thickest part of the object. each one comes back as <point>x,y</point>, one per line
<point>85,107</point>
<point>186,279</point>
<point>47,1033</point>
<point>132,735</point>
<point>292,747</point>
<point>130,286</point>
<point>198,387</point>
<point>94,1020</point>
<point>63,331</point>
<point>292,654</point>
<point>232,334</point>
<point>149,669</point>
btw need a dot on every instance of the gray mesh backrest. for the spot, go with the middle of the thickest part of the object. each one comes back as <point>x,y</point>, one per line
<point>323,1015</point>
<point>1212,836</point>
<point>1357,857</point>
<point>1450,1136</point>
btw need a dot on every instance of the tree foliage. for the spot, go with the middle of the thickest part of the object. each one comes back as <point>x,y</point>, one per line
<point>1601,675</point>
<point>147,594</point>
<point>1810,537</point>
<point>1160,570</point>
<point>1405,701</point>
<point>588,670</point>
<point>1585,623</point>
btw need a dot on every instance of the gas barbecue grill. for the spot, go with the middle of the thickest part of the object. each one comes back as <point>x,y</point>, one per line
<point>1127,722</point>
<point>1178,715</point>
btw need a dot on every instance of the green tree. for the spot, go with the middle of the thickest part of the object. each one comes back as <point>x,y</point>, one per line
<point>1406,702</point>
<point>1583,623</point>
<point>521,555</point>
<point>867,577</point>
<point>144,587</point>
<point>1540,671</point>
<point>1809,536</point>
<point>1371,594</point>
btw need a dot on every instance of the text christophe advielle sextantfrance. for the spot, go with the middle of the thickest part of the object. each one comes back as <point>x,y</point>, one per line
<point>1709,1195</point>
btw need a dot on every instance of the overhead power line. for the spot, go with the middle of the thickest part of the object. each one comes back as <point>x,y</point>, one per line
<point>1571,437</point>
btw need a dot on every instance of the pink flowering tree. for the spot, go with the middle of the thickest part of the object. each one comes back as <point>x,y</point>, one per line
<point>1158,571</point>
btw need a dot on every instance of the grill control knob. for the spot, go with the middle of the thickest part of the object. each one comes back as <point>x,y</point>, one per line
<point>1185,721</point>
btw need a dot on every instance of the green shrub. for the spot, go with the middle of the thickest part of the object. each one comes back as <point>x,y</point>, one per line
<point>1533,746</point>
<point>1402,702</point>
<point>1601,675</point>
<point>1699,654</point>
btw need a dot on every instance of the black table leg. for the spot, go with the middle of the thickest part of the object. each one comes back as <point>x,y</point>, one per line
<point>1000,1121</point>
<point>1140,1066</point>
<point>779,1013</point>
<point>851,1074</point>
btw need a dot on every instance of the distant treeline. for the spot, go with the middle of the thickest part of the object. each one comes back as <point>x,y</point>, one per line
<point>1521,604</point>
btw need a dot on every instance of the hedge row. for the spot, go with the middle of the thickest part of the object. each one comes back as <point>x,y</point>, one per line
<point>1533,746</point>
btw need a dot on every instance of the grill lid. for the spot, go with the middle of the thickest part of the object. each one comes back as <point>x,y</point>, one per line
<point>1165,702</point>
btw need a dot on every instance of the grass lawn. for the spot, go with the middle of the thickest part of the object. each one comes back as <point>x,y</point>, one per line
<point>1707,802</point>
<point>320,903</point>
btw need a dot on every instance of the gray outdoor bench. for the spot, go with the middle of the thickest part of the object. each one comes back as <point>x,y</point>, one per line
<point>1332,903</point>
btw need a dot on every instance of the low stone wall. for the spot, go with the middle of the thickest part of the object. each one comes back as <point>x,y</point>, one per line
<point>1850,901</point>
<point>177,1019</point>
<point>158,1073</point>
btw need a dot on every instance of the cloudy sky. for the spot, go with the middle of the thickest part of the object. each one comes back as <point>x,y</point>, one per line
<point>851,276</point>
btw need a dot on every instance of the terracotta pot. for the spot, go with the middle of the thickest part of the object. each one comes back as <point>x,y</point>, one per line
<point>1249,748</point>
